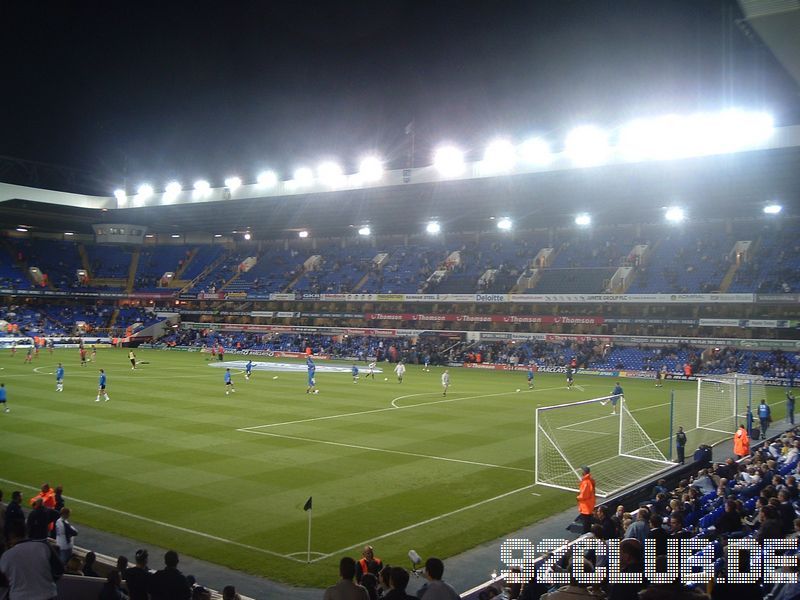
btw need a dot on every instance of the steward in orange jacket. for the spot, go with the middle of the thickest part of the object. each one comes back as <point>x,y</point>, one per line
<point>48,496</point>
<point>741,442</point>
<point>586,499</point>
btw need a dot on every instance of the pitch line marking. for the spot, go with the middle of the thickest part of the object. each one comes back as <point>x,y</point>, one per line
<point>425,522</point>
<point>613,415</point>
<point>386,450</point>
<point>569,428</point>
<point>168,525</point>
<point>377,410</point>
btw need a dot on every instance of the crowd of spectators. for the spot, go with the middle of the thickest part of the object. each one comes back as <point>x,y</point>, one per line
<point>37,549</point>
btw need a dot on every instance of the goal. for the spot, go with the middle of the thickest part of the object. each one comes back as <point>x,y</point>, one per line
<point>725,401</point>
<point>588,433</point>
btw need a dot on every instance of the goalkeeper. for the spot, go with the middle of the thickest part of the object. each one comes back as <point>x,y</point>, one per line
<point>616,394</point>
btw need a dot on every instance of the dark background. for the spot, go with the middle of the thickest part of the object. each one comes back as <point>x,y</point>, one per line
<point>150,91</point>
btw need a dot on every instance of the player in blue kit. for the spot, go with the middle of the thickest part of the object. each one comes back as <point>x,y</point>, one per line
<point>530,377</point>
<point>354,370</point>
<point>312,370</point>
<point>248,369</point>
<point>4,398</point>
<point>101,387</point>
<point>59,378</point>
<point>616,394</point>
<point>228,382</point>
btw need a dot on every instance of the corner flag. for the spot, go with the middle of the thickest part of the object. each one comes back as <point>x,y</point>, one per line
<point>307,508</point>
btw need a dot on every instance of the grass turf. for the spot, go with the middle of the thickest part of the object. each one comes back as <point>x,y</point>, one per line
<point>165,461</point>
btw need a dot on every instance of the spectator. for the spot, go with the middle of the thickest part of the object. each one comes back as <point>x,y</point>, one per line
<point>13,511</point>
<point>639,528</point>
<point>631,560</point>
<point>435,588</point>
<point>398,581</point>
<point>88,565</point>
<point>137,578</point>
<point>346,588</point>
<point>64,535</point>
<point>229,593</point>
<point>26,568</point>
<point>38,521</point>
<point>370,583</point>
<point>586,499</point>
<point>112,588</point>
<point>730,520</point>
<point>74,566</point>
<point>658,534</point>
<point>169,583</point>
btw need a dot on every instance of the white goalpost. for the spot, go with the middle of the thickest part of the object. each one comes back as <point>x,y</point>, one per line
<point>724,401</point>
<point>614,444</point>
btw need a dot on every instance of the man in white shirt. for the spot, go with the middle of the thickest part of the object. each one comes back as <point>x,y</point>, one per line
<point>64,535</point>
<point>445,381</point>
<point>400,370</point>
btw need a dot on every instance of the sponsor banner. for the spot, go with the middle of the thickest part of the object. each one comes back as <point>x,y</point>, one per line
<point>491,298</point>
<point>235,295</point>
<point>210,296</point>
<point>765,323</point>
<point>720,323</point>
<point>484,318</point>
<point>778,298</point>
<point>390,297</point>
<point>456,297</point>
<point>334,297</point>
<point>422,297</point>
<point>255,313</point>
<point>633,298</point>
<point>306,296</point>
<point>278,296</point>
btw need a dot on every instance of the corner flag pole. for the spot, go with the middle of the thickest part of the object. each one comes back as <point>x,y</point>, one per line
<point>307,508</point>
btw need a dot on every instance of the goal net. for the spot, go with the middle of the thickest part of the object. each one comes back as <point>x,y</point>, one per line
<point>589,433</point>
<point>724,401</point>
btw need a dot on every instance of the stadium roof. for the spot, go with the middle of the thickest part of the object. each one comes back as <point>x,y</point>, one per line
<point>777,22</point>
<point>728,185</point>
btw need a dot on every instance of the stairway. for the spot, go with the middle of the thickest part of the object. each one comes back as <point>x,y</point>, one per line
<point>132,270</point>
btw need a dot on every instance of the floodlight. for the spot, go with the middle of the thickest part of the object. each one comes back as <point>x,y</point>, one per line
<point>583,220</point>
<point>175,235</point>
<point>499,157</point>
<point>232,183</point>
<point>675,214</point>
<point>145,191</point>
<point>267,178</point>
<point>247,236</point>
<point>201,187</point>
<point>370,169</point>
<point>173,188</point>
<point>536,151</point>
<point>303,176</point>
<point>302,234</point>
<point>69,233</point>
<point>773,209</point>
<point>217,235</point>
<point>121,196</point>
<point>330,174</point>
<point>587,146</point>
<point>22,230</point>
<point>449,161</point>
<point>433,227</point>
<point>504,224</point>
<point>365,230</point>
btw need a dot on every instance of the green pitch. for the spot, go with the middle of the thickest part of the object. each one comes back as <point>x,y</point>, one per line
<point>171,460</point>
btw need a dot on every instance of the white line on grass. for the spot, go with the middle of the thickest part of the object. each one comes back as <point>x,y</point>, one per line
<point>425,522</point>
<point>569,428</point>
<point>168,525</point>
<point>386,450</point>
<point>393,407</point>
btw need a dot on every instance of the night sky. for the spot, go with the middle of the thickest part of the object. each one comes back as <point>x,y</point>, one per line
<point>189,89</point>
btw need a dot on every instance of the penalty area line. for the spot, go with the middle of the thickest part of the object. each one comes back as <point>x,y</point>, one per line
<point>386,450</point>
<point>201,534</point>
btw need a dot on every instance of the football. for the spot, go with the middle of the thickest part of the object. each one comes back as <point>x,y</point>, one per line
<point>518,390</point>
<point>316,391</point>
<point>274,376</point>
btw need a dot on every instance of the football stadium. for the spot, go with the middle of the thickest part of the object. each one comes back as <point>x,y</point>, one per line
<point>370,368</point>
